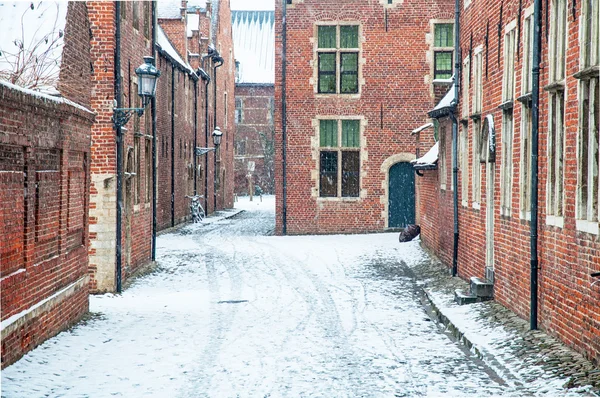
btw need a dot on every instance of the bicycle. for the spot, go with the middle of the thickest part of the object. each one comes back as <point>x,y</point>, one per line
<point>196,209</point>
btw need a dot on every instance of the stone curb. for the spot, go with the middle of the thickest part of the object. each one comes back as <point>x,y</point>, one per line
<point>213,215</point>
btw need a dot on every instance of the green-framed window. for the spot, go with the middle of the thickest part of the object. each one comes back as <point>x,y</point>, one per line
<point>339,158</point>
<point>338,53</point>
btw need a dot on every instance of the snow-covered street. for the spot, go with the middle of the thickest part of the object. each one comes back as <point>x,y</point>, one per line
<point>233,311</point>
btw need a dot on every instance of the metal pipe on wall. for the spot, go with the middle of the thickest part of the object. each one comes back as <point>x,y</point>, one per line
<point>119,141</point>
<point>153,109</point>
<point>172,144</point>
<point>218,63</point>
<point>535,116</point>
<point>284,119</point>
<point>457,66</point>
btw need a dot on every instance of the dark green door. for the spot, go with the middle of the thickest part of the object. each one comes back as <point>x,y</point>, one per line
<point>401,195</point>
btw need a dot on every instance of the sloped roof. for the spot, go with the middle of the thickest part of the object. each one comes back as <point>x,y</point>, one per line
<point>36,30</point>
<point>168,9</point>
<point>163,42</point>
<point>429,160</point>
<point>445,105</point>
<point>254,45</point>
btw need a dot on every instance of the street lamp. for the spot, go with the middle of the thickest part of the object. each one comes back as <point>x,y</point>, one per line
<point>147,74</point>
<point>217,135</point>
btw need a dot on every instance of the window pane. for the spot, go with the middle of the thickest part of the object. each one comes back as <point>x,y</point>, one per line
<point>327,37</point>
<point>327,82</point>
<point>444,35</point>
<point>443,65</point>
<point>349,36</point>
<point>349,72</point>
<point>328,133</point>
<point>328,174</point>
<point>349,62</point>
<point>350,173</point>
<point>350,133</point>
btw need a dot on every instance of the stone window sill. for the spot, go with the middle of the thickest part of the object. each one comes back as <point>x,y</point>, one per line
<point>555,221</point>
<point>476,206</point>
<point>590,227</point>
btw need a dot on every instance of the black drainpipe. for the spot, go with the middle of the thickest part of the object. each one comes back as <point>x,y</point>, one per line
<point>535,103</point>
<point>172,144</point>
<point>284,120</point>
<point>455,134</point>
<point>206,83</point>
<point>153,109</point>
<point>119,140</point>
<point>218,62</point>
<point>195,135</point>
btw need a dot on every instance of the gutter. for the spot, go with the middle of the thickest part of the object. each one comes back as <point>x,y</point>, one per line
<point>284,119</point>
<point>206,79</point>
<point>153,109</point>
<point>535,103</point>
<point>119,140</point>
<point>172,145</point>
<point>195,135</point>
<point>457,66</point>
<point>218,61</point>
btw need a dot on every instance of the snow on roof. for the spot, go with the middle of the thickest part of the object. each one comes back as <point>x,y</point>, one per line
<point>35,31</point>
<point>169,9</point>
<point>423,127</point>
<point>163,42</point>
<point>193,23</point>
<point>254,45</point>
<point>429,159</point>
<point>448,100</point>
<point>44,96</point>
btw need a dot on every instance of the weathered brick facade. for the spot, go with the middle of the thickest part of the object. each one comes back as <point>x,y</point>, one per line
<point>44,180</point>
<point>254,136</point>
<point>394,91</point>
<point>136,42</point>
<point>569,249</point>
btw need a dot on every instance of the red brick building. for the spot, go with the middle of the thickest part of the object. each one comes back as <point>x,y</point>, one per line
<point>494,177</point>
<point>123,33</point>
<point>44,177</point>
<point>351,83</point>
<point>254,40</point>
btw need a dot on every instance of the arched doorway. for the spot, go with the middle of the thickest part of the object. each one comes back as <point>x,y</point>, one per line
<point>401,191</point>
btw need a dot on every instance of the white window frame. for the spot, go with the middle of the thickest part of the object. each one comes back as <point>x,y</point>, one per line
<point>466,85</point>
<point>525,164</point>
<point>588,157</point>
<point>477,80</point>
<point>442,159</point>
<point>464,162</point>
<point>508,79</point>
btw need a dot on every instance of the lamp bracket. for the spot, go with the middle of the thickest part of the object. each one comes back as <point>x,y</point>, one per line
<point>122,115</point>
<point>202,151</point>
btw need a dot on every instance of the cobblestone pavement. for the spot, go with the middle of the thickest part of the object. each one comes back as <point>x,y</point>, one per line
<point>518,354</point>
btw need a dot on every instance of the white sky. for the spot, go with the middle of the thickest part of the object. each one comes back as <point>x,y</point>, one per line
<point>257,5</point>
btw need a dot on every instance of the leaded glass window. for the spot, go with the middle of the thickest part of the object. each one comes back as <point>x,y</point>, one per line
<point>338,59</point>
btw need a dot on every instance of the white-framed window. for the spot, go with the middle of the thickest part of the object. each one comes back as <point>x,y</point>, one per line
<point>466,85</point>
<point>443,50</point>
<point>442,159</point>
<point>588,157</point>
<point>464,163</point>
<point>338,53</point>
<point>556,105</point>
<point>508,90</point>
<point>339,158</point>
<point>477,80</point>
<point>525,174</point>
<point>528,35</point>
<point>239,114</point>
<point>476,165</point>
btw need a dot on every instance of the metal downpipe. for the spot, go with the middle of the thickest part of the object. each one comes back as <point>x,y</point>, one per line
<point>535,103</point>
<point>219,62</point>
<point>153,109</point>
<point>207,82</point>
<point>119,140</point>
<point>284,120</point>
<point>172,144</point>
<point>455,134</point>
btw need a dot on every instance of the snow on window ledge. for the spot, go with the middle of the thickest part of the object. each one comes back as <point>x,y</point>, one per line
<point>476,206</point>
<point>591,227</point>
<point>555,221</point>
<point>465,203</point>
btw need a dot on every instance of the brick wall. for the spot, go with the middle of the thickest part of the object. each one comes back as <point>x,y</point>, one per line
<point>44,178</point>
<point>136,34</point>
<point>395,92</point>
<point>569,307</point>
<point>252,136</point>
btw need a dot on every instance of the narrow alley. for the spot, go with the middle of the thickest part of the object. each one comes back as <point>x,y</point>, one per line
<point>232,311</point>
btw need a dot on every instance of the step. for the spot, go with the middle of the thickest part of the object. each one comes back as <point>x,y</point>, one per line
<point>482,288</point>
<point>462,297</point>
